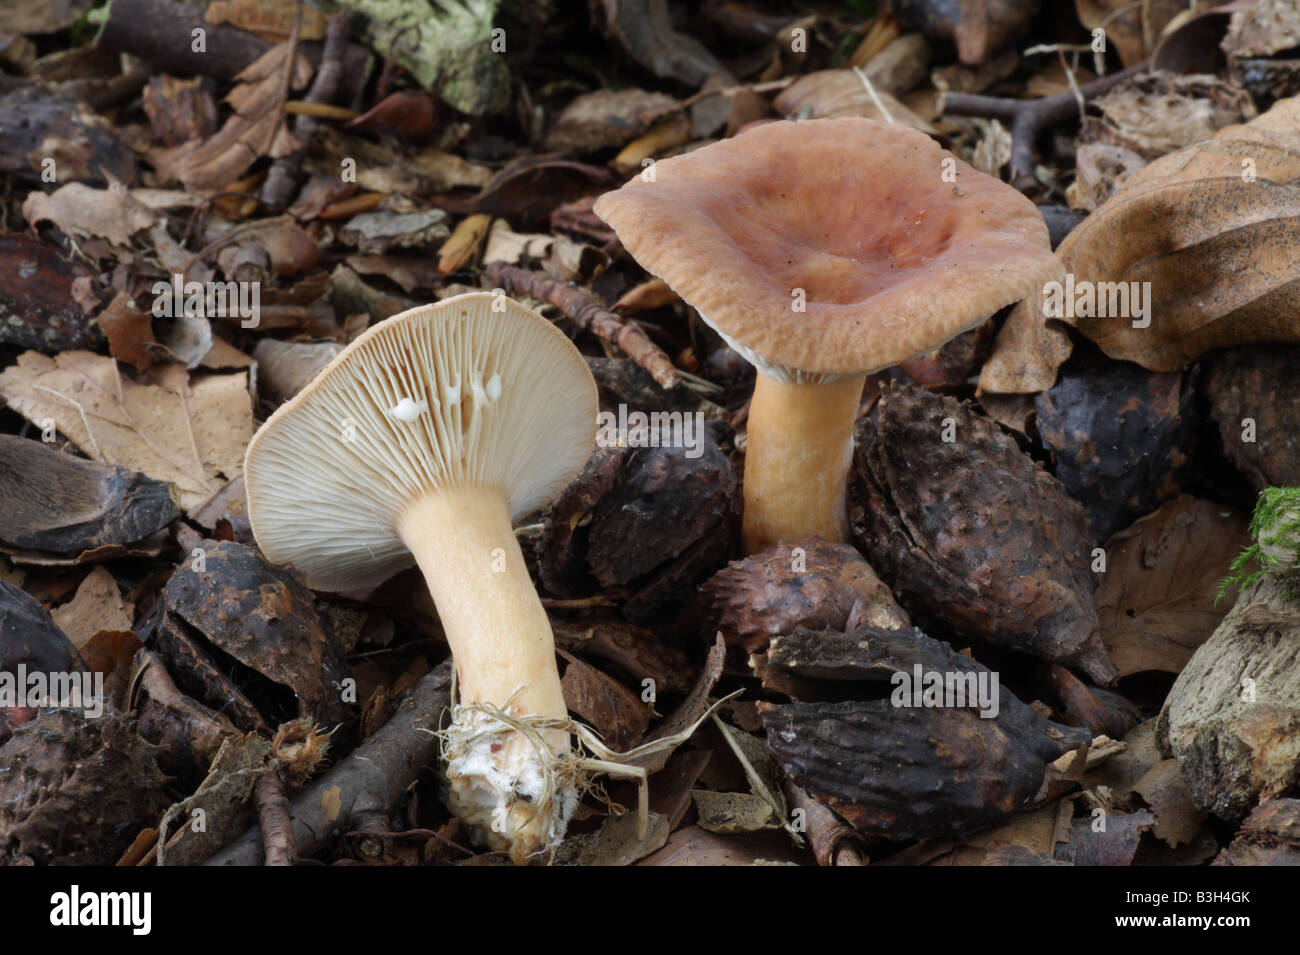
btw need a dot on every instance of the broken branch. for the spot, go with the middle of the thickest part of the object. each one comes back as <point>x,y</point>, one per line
<point>377,771</point>
<point>1029,117</point>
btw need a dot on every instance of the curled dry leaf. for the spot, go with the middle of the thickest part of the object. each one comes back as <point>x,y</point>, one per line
<point>974,531</point>
<point>1210,227</point>
<point>284,367</point>
<point>84,212</point>
<point>1115,844</point>
<point>408,113</point>
<point>179,110</point>
<point>1134,28</point>
<point>255,129</point>
<point>464,244</point>
<point>129,331</point>
<point>190,437</point>
<point>1155,113</point>
<point>1156,601</point>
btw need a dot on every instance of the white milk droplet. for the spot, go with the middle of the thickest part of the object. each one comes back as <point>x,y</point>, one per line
<point>407,410</point>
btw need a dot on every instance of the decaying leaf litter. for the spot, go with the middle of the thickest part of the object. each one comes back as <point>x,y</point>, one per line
<point>1043,508</point>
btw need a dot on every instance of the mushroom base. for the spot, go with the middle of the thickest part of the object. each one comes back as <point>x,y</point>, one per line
<point>511,791</point>
<point>509,733</point>
<point>797,461</point>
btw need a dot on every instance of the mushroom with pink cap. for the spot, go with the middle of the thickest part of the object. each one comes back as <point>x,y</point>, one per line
<point>824,251</point>
<point>420,443</point>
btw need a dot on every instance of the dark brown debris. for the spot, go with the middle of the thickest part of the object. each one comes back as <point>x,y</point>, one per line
<point>1259,385</point>
<point>1120,438</point>
<point>63,504</point>
<point>896,769</point>
<point>77,790</point>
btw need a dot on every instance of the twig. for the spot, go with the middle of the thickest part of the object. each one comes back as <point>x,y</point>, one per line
<point>770,86</point>
<point>376,772</point>
<point>589,315</point>
<point>278,845</point>
<point>282,180</point>
<point>1029,117</point>
<point>871,91</point>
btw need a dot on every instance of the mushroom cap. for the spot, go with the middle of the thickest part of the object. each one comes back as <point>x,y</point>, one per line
<point>495,395</point>
<point>893,260</point>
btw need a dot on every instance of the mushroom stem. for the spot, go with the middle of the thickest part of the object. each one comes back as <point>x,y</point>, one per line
<point>797,460</point>
<point>504,654</point>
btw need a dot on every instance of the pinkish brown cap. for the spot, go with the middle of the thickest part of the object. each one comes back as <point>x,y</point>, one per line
<point>893,257</point>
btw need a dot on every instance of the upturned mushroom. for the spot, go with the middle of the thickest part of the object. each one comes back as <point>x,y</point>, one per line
<point>823,251</point>
<point>419,444</point>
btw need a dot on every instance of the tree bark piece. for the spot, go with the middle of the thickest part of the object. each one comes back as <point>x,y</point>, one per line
<point>1232,718</point>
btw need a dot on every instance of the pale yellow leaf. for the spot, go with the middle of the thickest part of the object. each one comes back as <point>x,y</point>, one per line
<point>192,436</point>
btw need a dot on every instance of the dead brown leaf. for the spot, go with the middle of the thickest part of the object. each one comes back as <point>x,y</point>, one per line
<point>256,128</point>
<point>1156,599</point>
<point>1212,227</point>
<point>82,212</point>
<point>830,93</point>
<point>191,435</point>
<point>129,332</point>
<point>97,605</point>
<point>179,110</point>
<point>465,243</point>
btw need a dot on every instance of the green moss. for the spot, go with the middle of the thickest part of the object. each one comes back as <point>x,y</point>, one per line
<point>1275,526</point>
